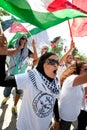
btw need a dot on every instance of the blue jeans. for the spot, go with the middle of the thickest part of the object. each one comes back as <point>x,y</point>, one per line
<point>7,91</point>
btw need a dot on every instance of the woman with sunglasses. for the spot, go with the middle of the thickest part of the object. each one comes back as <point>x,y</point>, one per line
<point>41,88</point>
<point>72,93</point>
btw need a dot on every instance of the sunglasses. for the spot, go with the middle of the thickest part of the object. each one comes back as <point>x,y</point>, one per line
<point>52,62</point>
<point>85,69</point>
<point>24,39</point>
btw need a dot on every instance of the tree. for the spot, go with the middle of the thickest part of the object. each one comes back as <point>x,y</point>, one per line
<point>3,13</point>
<point>81,56</point>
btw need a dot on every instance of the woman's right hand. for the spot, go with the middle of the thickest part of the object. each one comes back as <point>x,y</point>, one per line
<point>3,45</point>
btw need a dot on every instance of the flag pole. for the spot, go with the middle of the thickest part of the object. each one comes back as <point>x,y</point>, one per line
<point>72,41</point>
<point>1,30</point>
<point>70,30</point>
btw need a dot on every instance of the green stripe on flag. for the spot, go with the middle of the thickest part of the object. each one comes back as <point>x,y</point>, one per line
<point>42,20</point>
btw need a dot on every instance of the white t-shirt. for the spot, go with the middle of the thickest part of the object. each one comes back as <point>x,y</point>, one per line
<point>70,100</point>
<point>37,103</point>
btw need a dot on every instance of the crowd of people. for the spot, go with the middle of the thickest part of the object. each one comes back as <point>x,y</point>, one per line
<point>54,89</point>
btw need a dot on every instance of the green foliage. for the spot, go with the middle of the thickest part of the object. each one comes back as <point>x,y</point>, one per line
<point>75,52</point>
<point>3,13</point>
<point>81,56</point>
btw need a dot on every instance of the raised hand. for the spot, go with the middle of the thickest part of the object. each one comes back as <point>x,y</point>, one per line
<point>33,42</point>
<point>3,45</point>
<point>72,45</point>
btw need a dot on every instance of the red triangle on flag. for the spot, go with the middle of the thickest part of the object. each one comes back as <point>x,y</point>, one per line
<point>17,27</point>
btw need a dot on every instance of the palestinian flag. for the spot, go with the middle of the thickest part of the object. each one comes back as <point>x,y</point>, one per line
<point>53,43</point>
<point>43,14</point>
<point>14,26</point>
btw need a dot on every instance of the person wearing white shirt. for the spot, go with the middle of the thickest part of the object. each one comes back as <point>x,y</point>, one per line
<point>72,93</point>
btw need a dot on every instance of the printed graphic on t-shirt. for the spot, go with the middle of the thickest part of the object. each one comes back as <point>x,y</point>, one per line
<point>43,104</point>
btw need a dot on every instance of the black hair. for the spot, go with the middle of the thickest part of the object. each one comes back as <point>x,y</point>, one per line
<point>41,62</point>
<point>79,66</point>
